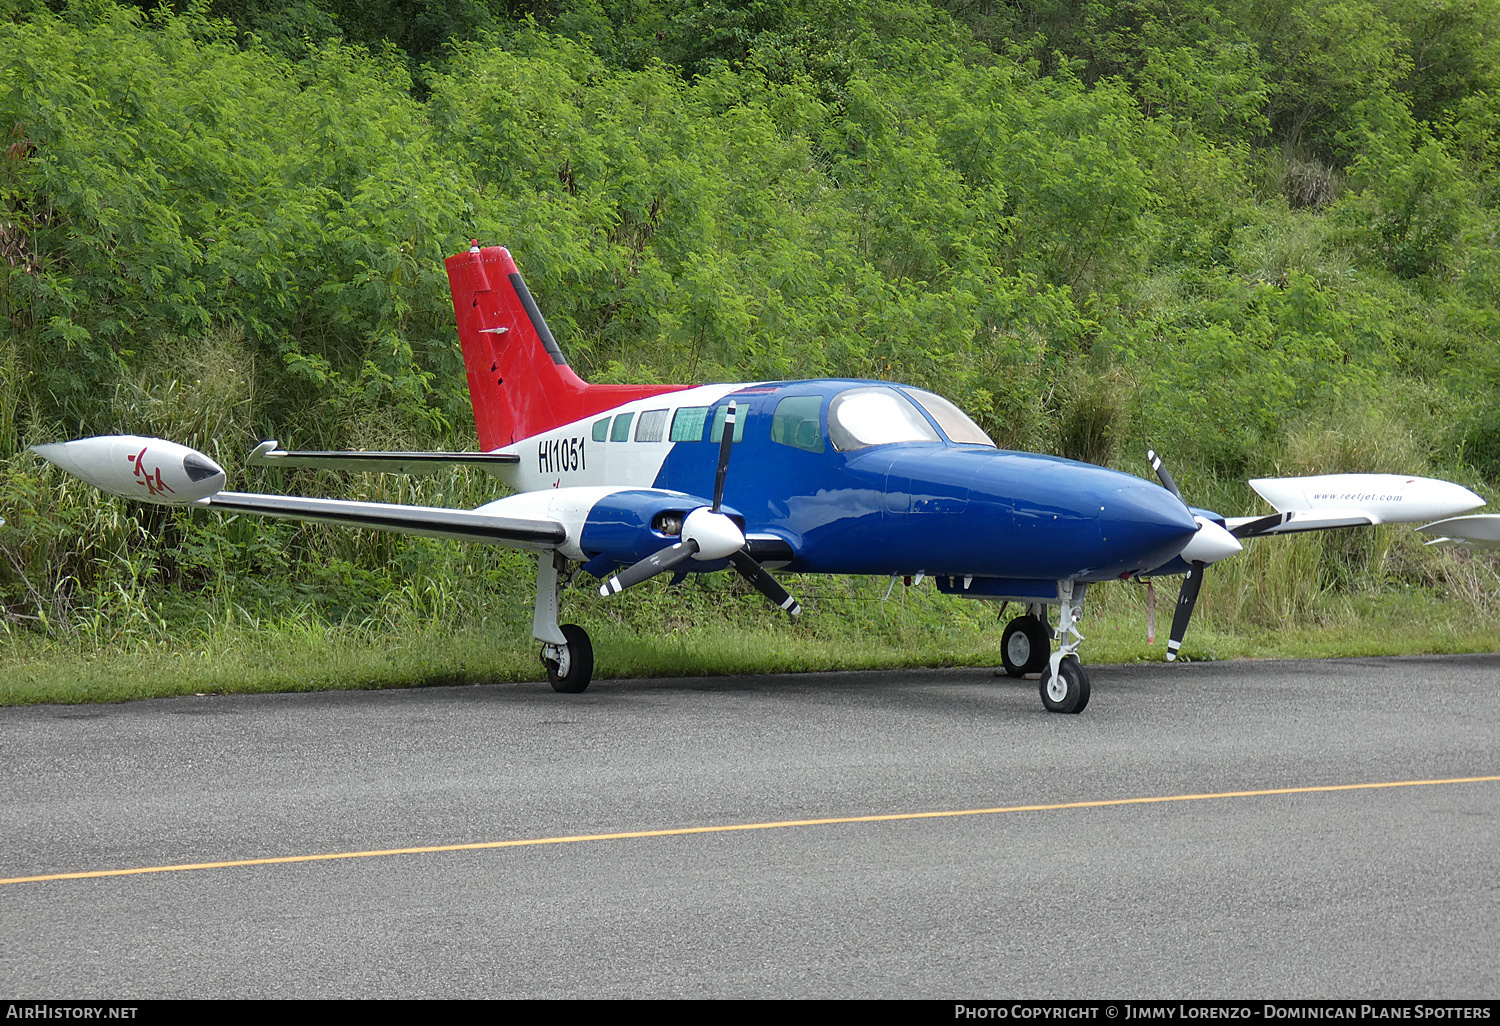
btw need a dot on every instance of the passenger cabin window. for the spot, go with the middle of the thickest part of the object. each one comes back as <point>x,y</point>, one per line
<point>621,432</point>
<point>875,415</point>
<point>651,426</point>
<point>796,422</point>
<point>687,424</point>
<point>954,422</point>
<point>601,430</point>
<point>741,414</point>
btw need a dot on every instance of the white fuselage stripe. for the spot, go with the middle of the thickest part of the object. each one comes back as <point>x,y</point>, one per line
<point>569,456</point>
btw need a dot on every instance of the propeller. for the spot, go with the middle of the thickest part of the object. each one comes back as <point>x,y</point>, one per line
<point>1211,544</point>
<point>708,534</point>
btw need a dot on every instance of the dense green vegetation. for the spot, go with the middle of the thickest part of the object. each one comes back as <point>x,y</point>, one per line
<point>1261,237</point>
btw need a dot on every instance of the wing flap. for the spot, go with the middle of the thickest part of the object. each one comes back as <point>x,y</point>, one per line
<point>267,455</point>
<point>427,521</point>
<point>1296,521</point>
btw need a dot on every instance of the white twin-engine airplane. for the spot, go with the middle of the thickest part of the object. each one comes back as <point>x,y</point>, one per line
<point>828,476</point>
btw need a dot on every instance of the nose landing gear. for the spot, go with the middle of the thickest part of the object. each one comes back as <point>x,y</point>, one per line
<point>1025,648</point>
<point>1065,689</point>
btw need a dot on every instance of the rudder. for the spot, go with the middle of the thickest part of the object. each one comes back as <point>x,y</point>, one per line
<point>520,383</point>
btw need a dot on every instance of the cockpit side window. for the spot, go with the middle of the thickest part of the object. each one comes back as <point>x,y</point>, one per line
<point>796,422</point>
<point>687,424</point>
<point>741,414</point>
<point>954,422</point>
<point>875,415</point>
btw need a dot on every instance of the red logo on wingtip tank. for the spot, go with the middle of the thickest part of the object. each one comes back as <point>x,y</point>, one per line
<point>153,482</point>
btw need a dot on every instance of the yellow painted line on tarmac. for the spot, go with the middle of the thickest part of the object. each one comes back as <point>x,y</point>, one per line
<point>731,827</point>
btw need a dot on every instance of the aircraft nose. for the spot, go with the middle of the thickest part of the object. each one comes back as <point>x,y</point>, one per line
<point>1147,522</point>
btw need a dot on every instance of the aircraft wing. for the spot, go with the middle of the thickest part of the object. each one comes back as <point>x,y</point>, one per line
<point>1481,531</point>
<point>427,521</point>
<point>266,454</point>
<point>1321,503</point>
<point>607,526</point>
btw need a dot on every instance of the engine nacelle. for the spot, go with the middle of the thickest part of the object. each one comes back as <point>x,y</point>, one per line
<point>615,525</point>
<point>149,469</point>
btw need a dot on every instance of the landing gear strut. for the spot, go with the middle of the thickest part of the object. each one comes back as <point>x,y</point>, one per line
<point>567,652</point>
<point>1025,648</point>
<point>1065,686</point>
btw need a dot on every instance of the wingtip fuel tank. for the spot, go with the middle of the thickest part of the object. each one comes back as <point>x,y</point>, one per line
<point>1384,498</point>
<point>149,469</point>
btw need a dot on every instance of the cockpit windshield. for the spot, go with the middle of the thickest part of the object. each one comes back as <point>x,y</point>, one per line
<point>875,415</point>
<point>954,422</point>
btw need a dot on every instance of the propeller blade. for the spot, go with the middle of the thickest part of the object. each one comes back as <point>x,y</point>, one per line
<point>1163,474</point>
<point>725,441</point>
<point>1186,599</point>
<point>1261,526</point>
<point>663,559</point>
<point>764,582</point>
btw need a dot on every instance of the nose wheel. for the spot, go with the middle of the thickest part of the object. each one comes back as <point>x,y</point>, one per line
<point>1066,689</point>
<point>1025,645</point>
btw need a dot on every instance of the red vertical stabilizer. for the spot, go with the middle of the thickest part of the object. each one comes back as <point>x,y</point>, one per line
<point>519,381</point>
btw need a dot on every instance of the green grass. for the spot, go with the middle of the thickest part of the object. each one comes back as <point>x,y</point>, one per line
<point>663,634</point>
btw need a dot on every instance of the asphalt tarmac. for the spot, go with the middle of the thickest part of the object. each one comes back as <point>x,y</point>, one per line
<point>1330,889</point>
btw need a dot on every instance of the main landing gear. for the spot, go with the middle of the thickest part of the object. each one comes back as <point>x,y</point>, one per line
<point>1026,642</point>
<point>567,652</point>
<point>570,666</point>
<point>1025,649</point>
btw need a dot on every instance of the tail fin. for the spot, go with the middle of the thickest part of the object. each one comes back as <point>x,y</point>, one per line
<point>519,381</point>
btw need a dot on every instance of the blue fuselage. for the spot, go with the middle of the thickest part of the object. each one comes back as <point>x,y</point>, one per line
<point>932,507</point>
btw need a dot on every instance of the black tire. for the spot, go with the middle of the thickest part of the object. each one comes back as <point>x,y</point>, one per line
<point>1025,646</point>
<point>1072,694</point>
<point>580,662</point>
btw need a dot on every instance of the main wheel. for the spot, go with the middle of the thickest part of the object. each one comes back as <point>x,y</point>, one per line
<point>1025,646</point>
<point>1068,691</point>
<point>573,667</point>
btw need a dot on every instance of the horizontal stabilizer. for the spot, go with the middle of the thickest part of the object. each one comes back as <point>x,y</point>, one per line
<point>1481,531</point>
<point>267,455</point>
<point>427,521</point>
